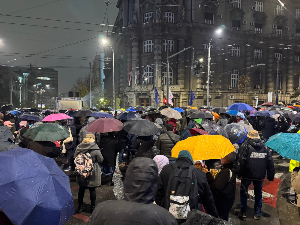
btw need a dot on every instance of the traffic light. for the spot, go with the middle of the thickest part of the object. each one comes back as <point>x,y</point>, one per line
<point>165,101</point>
<point>211,78</point>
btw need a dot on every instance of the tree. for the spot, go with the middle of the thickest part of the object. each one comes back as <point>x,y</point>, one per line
<point>296,94</point>
<point>243,82</point>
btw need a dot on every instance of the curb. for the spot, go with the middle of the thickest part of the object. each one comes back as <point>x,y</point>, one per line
<point>287,213</point>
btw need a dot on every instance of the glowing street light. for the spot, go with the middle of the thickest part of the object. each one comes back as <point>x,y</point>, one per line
<point>1,42</point>
<point>281,3</point>
<point>201,60</point>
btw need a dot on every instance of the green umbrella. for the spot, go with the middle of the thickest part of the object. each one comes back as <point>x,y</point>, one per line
<point>287,108</point>
<point>47,132</point>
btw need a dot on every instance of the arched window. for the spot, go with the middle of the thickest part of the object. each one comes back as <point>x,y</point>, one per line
<point>235,78</point>
<point>148,75</point>
<point>164,77</point>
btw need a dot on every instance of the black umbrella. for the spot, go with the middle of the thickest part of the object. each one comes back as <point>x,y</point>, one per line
<point>213,128</point>
<point>82,113</point>
<point>197,115</point>
<point>296,117</point>
<point>208,115</point>
<point>219,110</point>
<point>139,108</point>
<point>128,116</point>
<point>140,127</point>
<point>163,107</point>
<point>6,108</point>
<point>151,114</point>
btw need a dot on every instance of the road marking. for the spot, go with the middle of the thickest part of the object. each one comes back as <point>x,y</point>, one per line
<point>82,217</point>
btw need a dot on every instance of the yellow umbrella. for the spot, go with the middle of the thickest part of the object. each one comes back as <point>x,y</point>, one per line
<point>193,107</point>
<point>204,147</point>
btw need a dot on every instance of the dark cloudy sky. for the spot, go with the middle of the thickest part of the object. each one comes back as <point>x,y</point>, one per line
<point>22,40</point>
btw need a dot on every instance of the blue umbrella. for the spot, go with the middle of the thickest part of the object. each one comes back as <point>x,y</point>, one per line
<point>14,112</point>
<point>179,110</point>
<point>263,113</point>
<point>240,106</point>
<point>129,116</point>
<point>34,189</point>
<point>286,144</point>
<point>102,115</point>
<point>30,117</point>
<point>232,112</point>
<point>131,109</point>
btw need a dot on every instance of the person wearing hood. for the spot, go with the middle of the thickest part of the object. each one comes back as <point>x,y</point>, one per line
<point>255,162</point>
<point>282,125</point>
<point>223,185</point>
<point>139,194</point>
<point>161,161</point>
<point>144,147</point>
<point>268,128</point>
<point>167,141</point>
<point>83,132</point>
<point>205,196</point>
<point>6,139</point>
<point>88,145</point>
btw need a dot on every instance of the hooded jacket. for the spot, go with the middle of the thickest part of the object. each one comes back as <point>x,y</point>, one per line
<point>137,208</point>
<point>268,127</point>
<point>281,126</point>
<point>95,179</point>
<point>205,196</point>
<point>165,144</point>
<point>255,161</point>
<point>6,139</point>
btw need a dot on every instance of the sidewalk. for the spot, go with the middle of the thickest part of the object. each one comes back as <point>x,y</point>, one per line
<point>287,213</point>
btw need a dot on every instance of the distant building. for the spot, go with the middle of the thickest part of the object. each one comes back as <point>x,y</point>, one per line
<point>32,86</point>
<point>257,34</point>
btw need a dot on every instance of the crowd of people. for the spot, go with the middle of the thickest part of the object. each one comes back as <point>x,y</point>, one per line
<point>176,190</point>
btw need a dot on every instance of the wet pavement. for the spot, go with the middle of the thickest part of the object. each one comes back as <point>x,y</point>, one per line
<point>276,209</point>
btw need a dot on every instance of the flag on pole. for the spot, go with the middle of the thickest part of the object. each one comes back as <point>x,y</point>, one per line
<point>156,95</point>
<point>129,78</point>
<point>170,98</point>
<point>136,74</point>
<point>192,97</point>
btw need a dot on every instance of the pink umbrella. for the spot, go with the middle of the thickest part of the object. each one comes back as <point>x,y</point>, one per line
<point>54,117</point>
<point>104,125</point>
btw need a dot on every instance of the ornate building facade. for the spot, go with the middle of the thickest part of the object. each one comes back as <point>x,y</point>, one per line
<point>257,36</point>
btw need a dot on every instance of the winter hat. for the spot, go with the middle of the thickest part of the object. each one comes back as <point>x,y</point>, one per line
<point>253,134</point>
<point>186,154</point>
<point>89,138</point>
<point>23,123</point>
<point>161,161</point>
<point>91,119</point>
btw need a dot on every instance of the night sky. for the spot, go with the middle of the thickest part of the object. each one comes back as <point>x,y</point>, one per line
<point>18,41</point>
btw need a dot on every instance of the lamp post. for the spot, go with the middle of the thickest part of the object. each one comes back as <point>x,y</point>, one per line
<point>218,31</point>
<point>105,41</point>
<point>277,81</point>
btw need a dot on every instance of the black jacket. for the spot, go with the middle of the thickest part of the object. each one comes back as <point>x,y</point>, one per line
<point>281,126</point>
<point>143,146</point>
<point>165,144</point>
<point>268,127</point>
<point>255,160</point>
<point>223,188</point>
<point>205,195</point>
<point>45,148</point>
<point>139,192</point>
<point>109,149</point>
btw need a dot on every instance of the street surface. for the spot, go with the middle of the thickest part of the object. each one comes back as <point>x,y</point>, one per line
<point>276,210</point>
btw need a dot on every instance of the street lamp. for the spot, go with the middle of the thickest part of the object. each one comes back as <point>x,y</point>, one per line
<point>217,32</point>
<point>105,41</point>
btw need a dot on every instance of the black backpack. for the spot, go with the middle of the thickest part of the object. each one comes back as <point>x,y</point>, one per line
<point>183,191</point>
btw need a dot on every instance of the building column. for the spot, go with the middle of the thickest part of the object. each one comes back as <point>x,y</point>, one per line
<point>157,62</point>
<point>181,63</point>
<point>270,75</point>
<point>135,61</point>
<point>249,58</point>
<point>290,77</point>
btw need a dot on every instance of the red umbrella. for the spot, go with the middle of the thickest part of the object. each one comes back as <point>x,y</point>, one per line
<point>194,131</point>
<point>289,106</point>
<point>104,125</point>
<point>268,104</point>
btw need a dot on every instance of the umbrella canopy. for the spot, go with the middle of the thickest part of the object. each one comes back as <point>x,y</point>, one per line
<point>139,108</point>
<point>204,147</point>
<point>179,110</point>
<point>236,133</point>
<point>30,117</point>
<point>131,109</point>
<point>14,112</point>
<point>104,125</point>
<point>267,104</point>
<point>216,115</point>
<point>171,113</point>
<point>82,113</point>
<point>252,111</point>
<point>47,132</point>
<point>6,108</point>
<point>240,106</point>
<point>287,109</point>
<point>296,117</point>
<point>129,116</point>
<point>208,115</point>
<point>232,112</point>
<point>213,128</point>
<point>286,144</point>
<point>219,110</point>
<point>248,127</point>
<point>287,114</point>
<point>102,115</point>
<point>194,131</point>
<point>291,107</point>
<point>34,189</point>
<point>140,127</point>
<point>197,115</point>
<point>151,114</point>
<point>263,113</point>
<point>55,117</point>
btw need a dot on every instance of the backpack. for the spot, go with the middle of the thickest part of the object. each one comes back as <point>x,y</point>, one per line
<point>183,189</point>
<point>84,164</point>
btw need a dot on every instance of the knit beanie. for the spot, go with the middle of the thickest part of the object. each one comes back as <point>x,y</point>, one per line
<point>186,154</point>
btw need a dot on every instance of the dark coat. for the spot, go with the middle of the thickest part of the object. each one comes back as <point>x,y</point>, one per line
<point>281,126</point>
<point>255,161</point>
<point>223,188</point>
<point>71,146</point>
<point>201,218</point>
<point>268,127</point>
<point>165,144</point>
<point>205,195</point>
<point>95,179</point>
<point>109,149</point>
<point>137,208</point>
<point>6,139</point>
<point>45,148</point>
<point>144,145</point>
